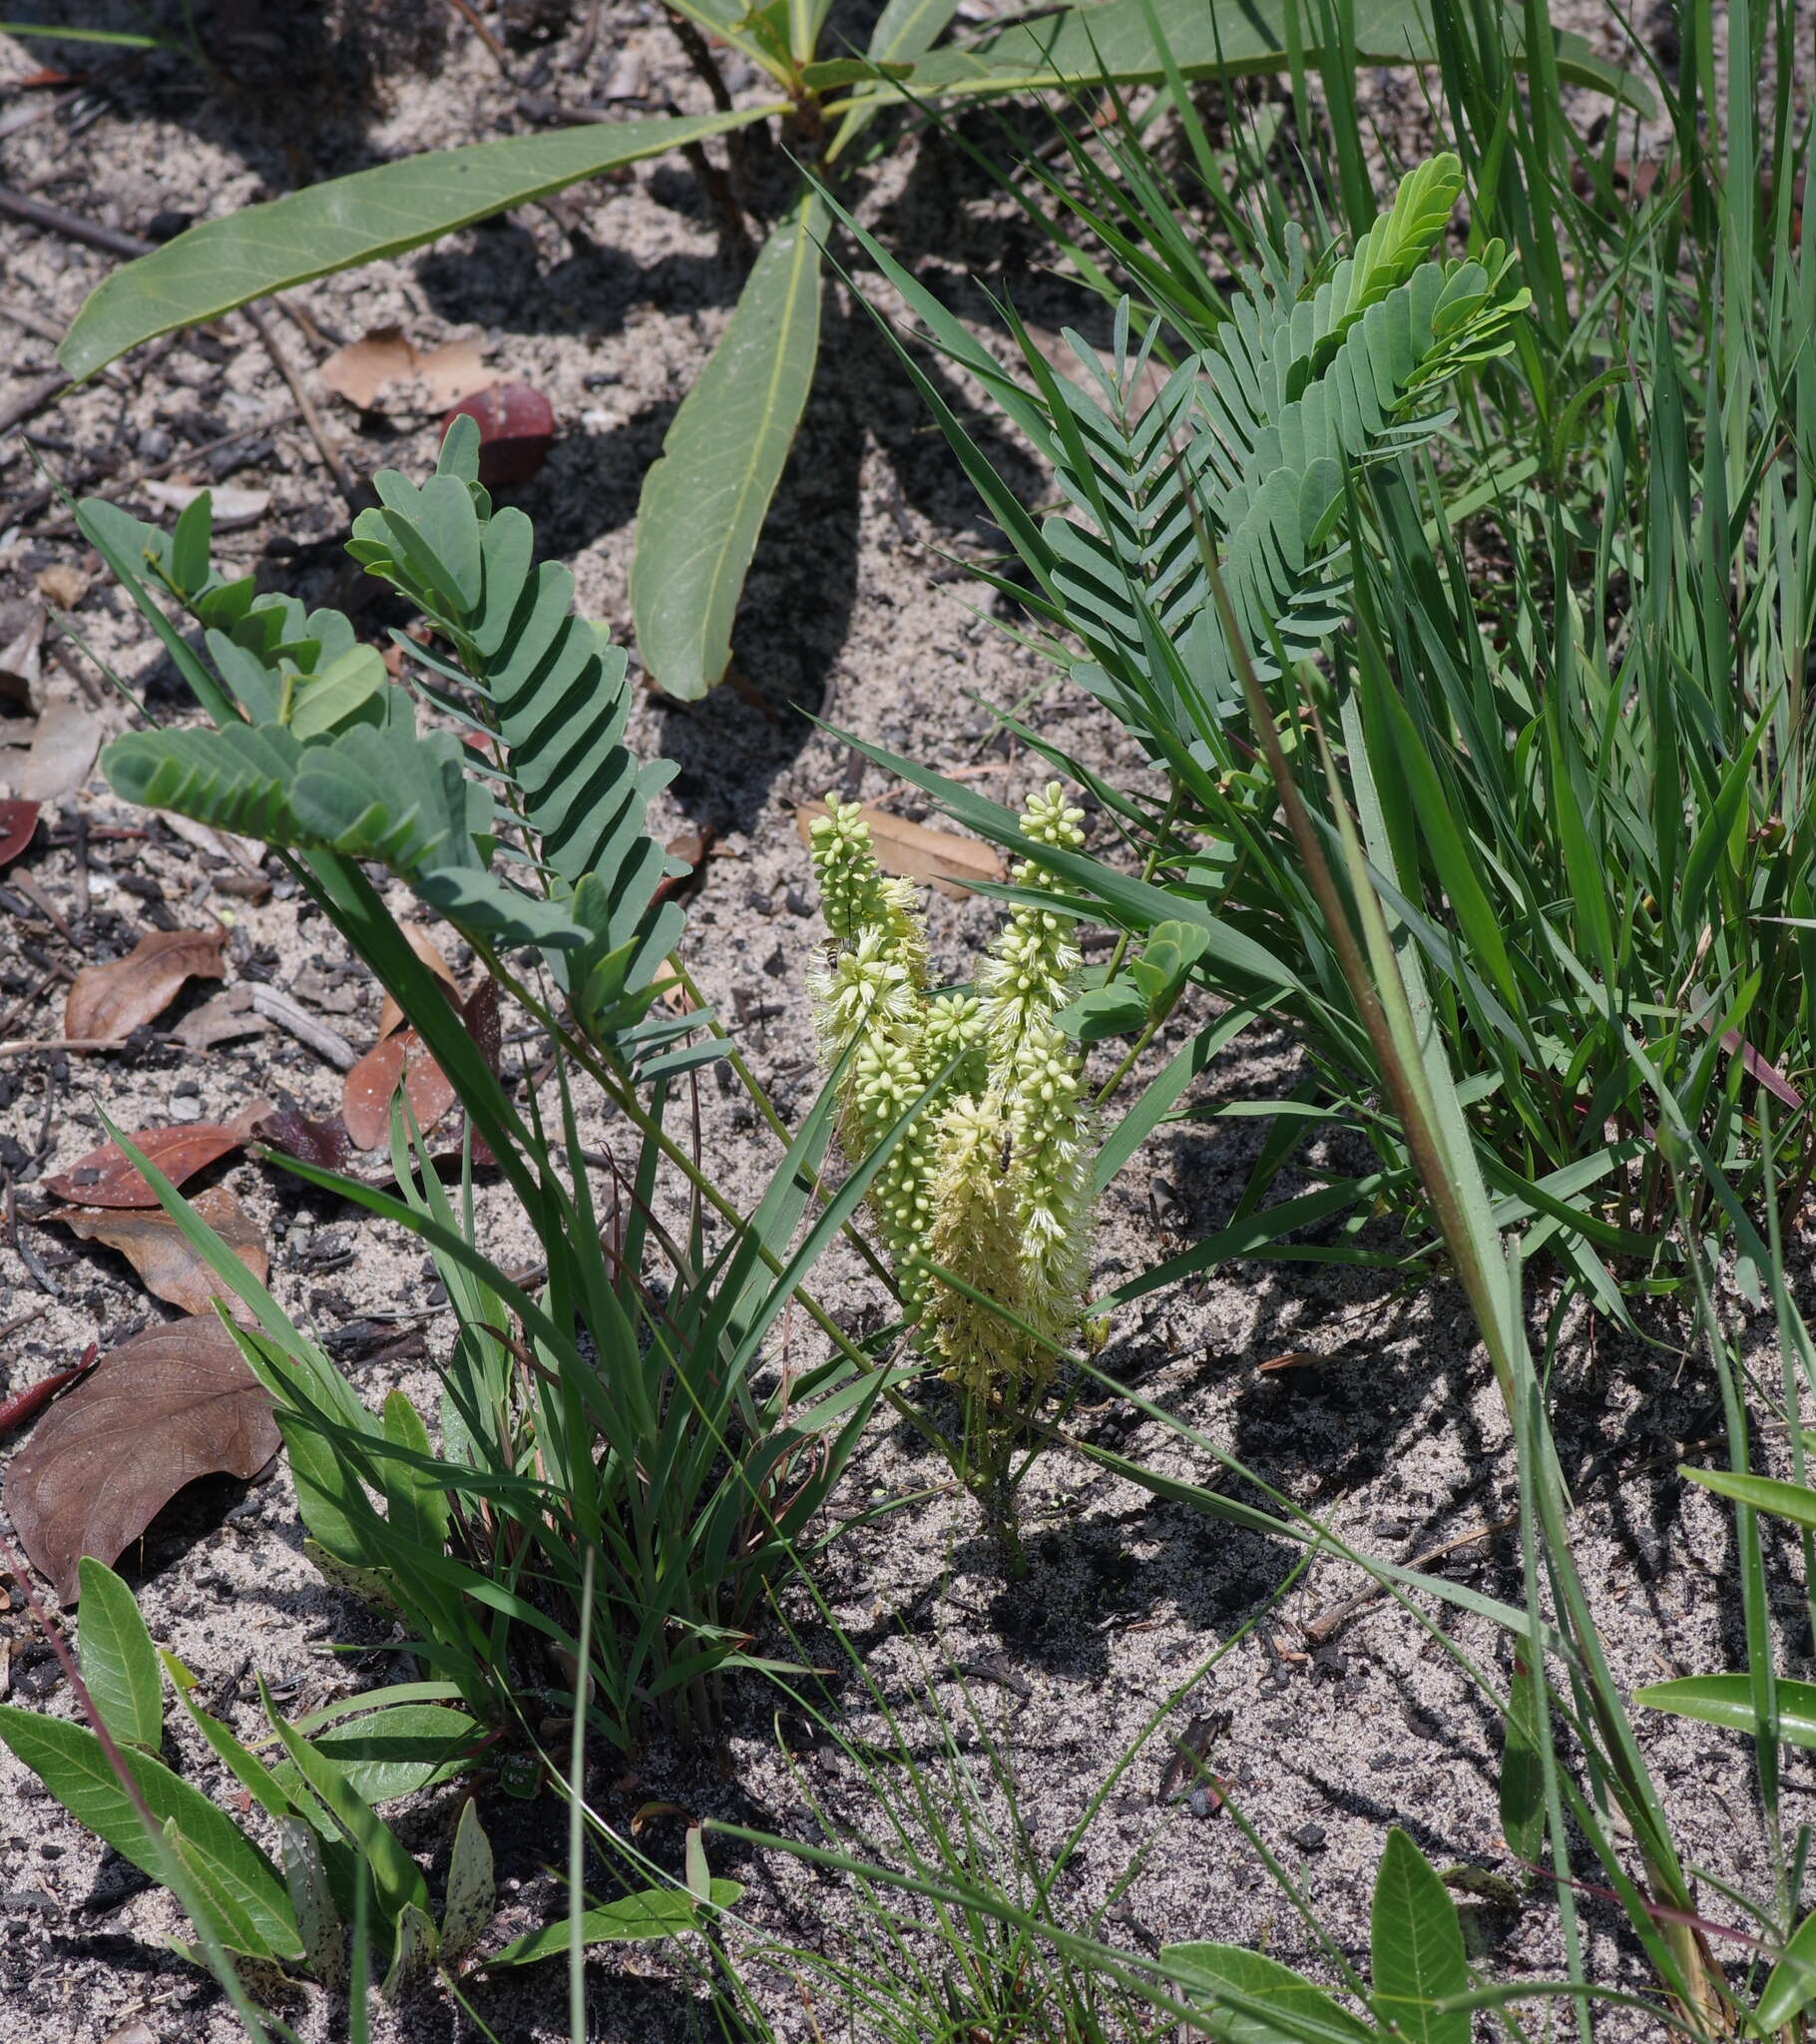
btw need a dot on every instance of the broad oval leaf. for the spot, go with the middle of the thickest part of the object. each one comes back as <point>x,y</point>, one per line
<point>1415,1946</point>
<point>704,500</point>
<point>220,263</point>
<point>1299,2012</point>
<point>168,1266</point>
<point>246,1898</point>
<point>387,1754</point>
<point>1728,1700</point>
<point>171,1404</point>
<point>472,1891</point>
<point>119,1662</point>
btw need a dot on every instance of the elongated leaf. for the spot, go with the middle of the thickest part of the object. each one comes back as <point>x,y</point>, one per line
<point>1415,1946</point>
<point>634,1920</point>
<point>119,1662</point>
<point>392,1753</point>
<point>704,501</point>
<point>1728,1699</point>
<point>247,1897</point>
<point>1299,2012</point>
<point>472,1892</point>
<point>1792,1986</point>
<point>1213,38</point>
<point>222,264</point>
<point>1793,1501</point>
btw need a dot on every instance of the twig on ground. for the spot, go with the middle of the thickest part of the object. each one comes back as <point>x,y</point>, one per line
<point>1327,1624</point>
<point>327,1044</point>
<point>467,13</point>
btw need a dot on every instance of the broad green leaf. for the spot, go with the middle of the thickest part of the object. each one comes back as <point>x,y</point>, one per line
<point>1792,1986</point>
<point>1213,38</point>
<point>634,1920</point>
<point>704,500</point>
<point>413,1952</point>
<point>242,1887</point>
<point>220,263</point>
<point>1299,2012</point>
<point>395,1876</point>
<point>1793,1501</point>
<point>393,1752</point>
<point>1728,1699</point>
<point>1415,1946</point>
<point>119,1662</point>
<point>306,1870</point>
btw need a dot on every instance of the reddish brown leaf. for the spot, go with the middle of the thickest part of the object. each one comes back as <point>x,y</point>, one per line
<point>17,823</point>
<point>323,1142</point>
<point>365,1098</point>
<point>151,1241</point>
<point>103,1178</point>
<point>110,1001</point>
<point>390,1015</point>
<point>952,863</point>
<point>172,1405</point>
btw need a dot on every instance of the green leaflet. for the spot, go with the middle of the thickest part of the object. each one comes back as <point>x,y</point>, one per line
<point>1297,2011</point>
<point>634,1920</point>
<point>704,501</point>
<point>119,1662</point>
<point>220,263</point>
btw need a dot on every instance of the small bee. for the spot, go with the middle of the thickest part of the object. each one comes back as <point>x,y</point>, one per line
<point>1003,1163</point>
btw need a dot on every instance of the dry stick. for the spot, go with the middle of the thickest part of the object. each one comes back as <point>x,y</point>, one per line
<point>83,1045</point>
<point>1328,1623</point>
<point>32,399</point>
<point>29,507</point>
<point>326,1043</point>
<point>464,9</point>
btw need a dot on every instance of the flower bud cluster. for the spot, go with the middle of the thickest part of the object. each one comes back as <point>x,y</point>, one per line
<point>991,1188</point>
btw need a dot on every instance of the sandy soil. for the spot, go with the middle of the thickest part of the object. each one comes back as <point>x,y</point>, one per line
<point>1387,1421</point>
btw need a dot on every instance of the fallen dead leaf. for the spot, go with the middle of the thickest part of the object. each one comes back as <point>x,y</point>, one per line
<point>219,845</point>
<point>171,1404</point>
<point>365,1096</point>
<point>110,1001</point>
<point>20,657</point>
<point>322,1142</point>
<point>17,823</point>
<point>63,583</point>
<point>952,863</point>
<point>390,1015</point>
<point>170,1268</point>
<point>376,372</point>
<point>233,508</point>
<point>224,1019</point>
<point>103,1178</point>
<point>62,754</point>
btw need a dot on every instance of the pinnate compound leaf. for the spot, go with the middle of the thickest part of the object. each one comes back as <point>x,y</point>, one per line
<point>1416,1947</point>
<point>172,1405</point>
<point>157,1249</point>
<point>1297,2011</point>
<point>119,1662</point>
<point>242,1890</point>
<point>634,1920</point>
<point>107,1178</point>
<point>704,500</point>
<point>220,263</point>
<point>110,1001</point>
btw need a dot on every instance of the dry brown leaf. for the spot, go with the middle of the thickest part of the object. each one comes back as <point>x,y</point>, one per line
<point>952,863</point>
<point>63,583</point>
<point>109,1002</point>
<point>103,1178</point>
<point>365,1097</point>
<point>64,745</point>
<point>17,823</point>
<point>224,1019</point>
<point>364,371</point>
<point>232,508</point>
<point>219,845</point>
<point>390,1015</point>
<point>170,1268</point>
<point>172,1405</point>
